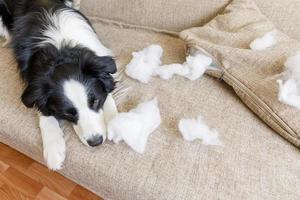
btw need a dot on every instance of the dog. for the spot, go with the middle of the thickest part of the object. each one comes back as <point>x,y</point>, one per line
<point>67,70</point>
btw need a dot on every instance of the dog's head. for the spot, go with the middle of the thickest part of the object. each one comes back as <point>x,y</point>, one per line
<point>73,90</point>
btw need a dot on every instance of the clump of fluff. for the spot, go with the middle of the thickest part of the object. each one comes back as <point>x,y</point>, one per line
<point>197,66</point>
<point>193,68</point>
<point>135,126</point>
<point>264,42</point>
<point>192,129</point>
<point>144,62</point>
<point>166,72</point>
<point>289,88</point>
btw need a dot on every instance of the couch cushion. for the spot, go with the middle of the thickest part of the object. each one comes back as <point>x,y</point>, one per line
<point>252,74</point>
<point>254,163</point>
<point>177,15</point>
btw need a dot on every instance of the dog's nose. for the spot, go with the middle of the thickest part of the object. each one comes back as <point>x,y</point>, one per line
<point>95,141</point>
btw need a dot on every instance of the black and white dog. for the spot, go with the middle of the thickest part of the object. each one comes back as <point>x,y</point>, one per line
<point>67,69</point>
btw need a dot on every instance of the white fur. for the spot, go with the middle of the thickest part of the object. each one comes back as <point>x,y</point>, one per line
<point>264,42</point>
<point>53,142</point>
<point>109,109</point>
<point>3,29</point>
<point>4,33</point>
<point>69,26</point>
<point>147,63</point>
<point>192,129</point>
<point>144,62</point>
<point>69,3</point>
<point>289,88</point>
<point>135,126</point>
<point>75,4</point>
<point>90,123</point>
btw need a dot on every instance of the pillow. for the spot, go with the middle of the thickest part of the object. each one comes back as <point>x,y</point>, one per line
<point>252,74</point>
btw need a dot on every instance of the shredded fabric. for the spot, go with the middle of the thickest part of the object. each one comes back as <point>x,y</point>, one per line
<point>135,126</point>
<point>289,88</point>
<point>146,64</point>
<point>192,129</point>
<point>268,40</point>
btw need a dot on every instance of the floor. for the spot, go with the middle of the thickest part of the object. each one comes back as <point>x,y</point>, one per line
<point>23,178</point>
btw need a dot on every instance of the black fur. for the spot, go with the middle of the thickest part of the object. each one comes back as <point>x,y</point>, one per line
<point>45,68</point>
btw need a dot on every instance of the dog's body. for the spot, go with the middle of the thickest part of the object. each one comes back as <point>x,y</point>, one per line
<point>66,67</point>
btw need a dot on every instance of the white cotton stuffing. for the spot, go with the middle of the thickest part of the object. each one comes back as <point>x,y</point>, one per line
<point>166,72</point>
<point>193,68</point>
<point>135,126</point>
<point>192,129</point>
<point>197,66</point>
<point>146,64</point>
<point>264,42</point>
<point>289,89</point>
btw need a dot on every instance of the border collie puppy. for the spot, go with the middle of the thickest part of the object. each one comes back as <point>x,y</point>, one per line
<point>68,71</point>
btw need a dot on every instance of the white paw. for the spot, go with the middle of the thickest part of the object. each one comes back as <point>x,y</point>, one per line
<point>55,153</point>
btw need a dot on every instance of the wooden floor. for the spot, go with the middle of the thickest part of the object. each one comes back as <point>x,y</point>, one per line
<point>23,178</point>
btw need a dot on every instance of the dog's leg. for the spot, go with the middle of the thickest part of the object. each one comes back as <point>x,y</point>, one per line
<point>53,142</point>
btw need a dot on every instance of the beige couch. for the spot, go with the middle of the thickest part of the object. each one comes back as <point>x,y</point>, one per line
<point>254,163</point>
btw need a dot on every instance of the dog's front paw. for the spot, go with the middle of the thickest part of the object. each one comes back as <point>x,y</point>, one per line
<point>55,154</point>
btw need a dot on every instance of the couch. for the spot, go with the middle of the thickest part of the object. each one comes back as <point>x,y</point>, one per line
<point>253,163</point>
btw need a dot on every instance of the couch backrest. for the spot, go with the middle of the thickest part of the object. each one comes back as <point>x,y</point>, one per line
<point>173,15</point>
<point>177,15</point>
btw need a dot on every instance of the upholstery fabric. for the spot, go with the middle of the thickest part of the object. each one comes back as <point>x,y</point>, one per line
<point>177,15</point>
<point>254,163</point>
<point>252,74</point>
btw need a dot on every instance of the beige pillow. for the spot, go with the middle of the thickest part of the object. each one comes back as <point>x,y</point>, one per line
<point>252,74</point>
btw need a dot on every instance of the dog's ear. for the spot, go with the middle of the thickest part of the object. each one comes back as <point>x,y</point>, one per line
<point>102,68</point>
<point>107,81</point>
<point>34,94</point>
<point>108,64</point>
<point>30,96</point>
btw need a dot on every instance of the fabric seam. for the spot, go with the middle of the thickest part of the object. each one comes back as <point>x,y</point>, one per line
<point>132,26</point>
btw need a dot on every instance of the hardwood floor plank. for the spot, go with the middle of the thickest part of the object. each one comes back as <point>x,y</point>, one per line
<point>50,179</point>
<point>47,194</point>
<point>3,166</point>
<point>9,193</point>
<point>21,178</point>
<point>80,193</point>
<point>19,181</point>
<point>14,158</point>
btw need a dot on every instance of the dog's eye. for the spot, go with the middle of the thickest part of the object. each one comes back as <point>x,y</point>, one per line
<point>94,103</point>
